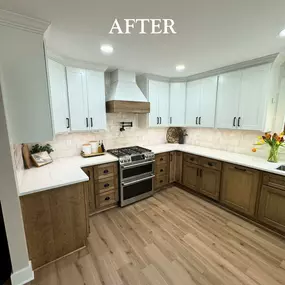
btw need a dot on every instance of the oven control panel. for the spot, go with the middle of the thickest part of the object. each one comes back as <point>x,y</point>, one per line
<point>125,159</point>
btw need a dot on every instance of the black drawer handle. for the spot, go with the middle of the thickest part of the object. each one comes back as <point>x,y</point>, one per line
<point>211,164</point>
<point>161,170</point>
<point>192,159</point>
<point>107,198</point>
<point>106,185</point>
<point>241,169</point>
<point>161,181</point>
<point>161,159</point>
<point>106,171</point>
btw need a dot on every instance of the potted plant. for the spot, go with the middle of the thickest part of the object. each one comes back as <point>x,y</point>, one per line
<point>274,141</point>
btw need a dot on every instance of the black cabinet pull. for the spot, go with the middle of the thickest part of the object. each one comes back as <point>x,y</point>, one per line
<point>106,171</point>
<point>91,120</point>
<point>210,164</point>
<point>238,121</point>
<point>234,122</point>
<point>157,120</point>
<point>161,159</point>
<point>107,198</point>
<point>170,120</point>
<point>87,123</point>
<point>161,170</point>
<point>161,181</point>
<point>160,120</point>
<point>241,169</point>
<point>199,120</point>
<point>106,185</point>
<point>201,171</point>
<point>68,124</point>
<point>196,120</point>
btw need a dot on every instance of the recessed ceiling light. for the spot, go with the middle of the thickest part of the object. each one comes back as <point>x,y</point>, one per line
<point>282,34</point>
<point>107,49</point>
<point>180,67</point>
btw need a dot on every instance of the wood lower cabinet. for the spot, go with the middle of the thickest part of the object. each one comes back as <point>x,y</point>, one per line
<point>102,186</point>
<point>239,188</point>
<point>56,222</point>
<point>179,167</point>
<point>272,207</point>
<point>191,175</point>
<point>162,170</point>
<point>210,183</point>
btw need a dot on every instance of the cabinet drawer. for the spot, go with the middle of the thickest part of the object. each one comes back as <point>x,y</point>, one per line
<point>105,170</point>
<point>160,181</point>
<point>106,199</point>
<point>191,158</point>
<point>211,163</point>
<point>161,169</point>
<point>162,158</point>
<point>106,184</point>
<point>272,180</point>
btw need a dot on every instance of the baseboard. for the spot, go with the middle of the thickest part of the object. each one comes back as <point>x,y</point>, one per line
<point>23,276</point>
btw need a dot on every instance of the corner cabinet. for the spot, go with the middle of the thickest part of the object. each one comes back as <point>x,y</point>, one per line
<point>201,102</point>
<point>177,104</point>
<point>244,99</point>
<point>239,188</point>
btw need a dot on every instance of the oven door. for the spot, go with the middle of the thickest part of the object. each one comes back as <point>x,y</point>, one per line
<point>137,171</point>
<point>136,190</point>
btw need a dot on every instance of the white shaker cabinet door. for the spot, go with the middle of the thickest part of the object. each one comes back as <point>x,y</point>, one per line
<point>229,85</point>
<point>253,98</point>
<point>177,104</point>
<point>163,104</point>
<point>59,97</point>
<point>153,90</point>
<point>193,95</point>
<point>96,99</point>
<point>208,102</point>
<point>78,102</point>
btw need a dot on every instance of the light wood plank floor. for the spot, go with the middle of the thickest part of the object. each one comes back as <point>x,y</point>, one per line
<point>171,238</point>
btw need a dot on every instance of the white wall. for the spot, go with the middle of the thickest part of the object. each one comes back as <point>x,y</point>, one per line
<point>11,206</point>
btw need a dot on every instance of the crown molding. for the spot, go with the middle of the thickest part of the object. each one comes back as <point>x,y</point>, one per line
<point>22,22</point>
<point>229,68</point>
<point>68,61</point>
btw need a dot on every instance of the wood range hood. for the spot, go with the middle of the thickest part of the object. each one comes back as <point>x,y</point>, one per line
<point>124,95</point>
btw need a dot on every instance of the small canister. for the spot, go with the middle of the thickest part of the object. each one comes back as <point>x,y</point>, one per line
<point>94,146</point>
<point>86,148</point>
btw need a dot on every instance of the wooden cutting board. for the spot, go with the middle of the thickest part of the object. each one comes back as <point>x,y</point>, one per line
<point>26,156</point>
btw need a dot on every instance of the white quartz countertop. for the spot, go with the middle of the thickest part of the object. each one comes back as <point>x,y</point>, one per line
<point>67,171</point>
<point>61,172</point>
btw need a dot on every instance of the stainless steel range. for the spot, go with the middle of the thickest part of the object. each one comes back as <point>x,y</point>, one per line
<point>136,173</point>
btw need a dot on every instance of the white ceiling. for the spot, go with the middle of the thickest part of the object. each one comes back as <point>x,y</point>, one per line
<point>210,33</point>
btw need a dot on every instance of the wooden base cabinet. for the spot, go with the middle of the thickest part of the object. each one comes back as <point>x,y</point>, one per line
<point>272,207</point>
<point>191,175</point>
<point>102,186</point>
<point>239,188</point>
<point>162,170</point>
<point>210,183</point>
<point>56,223</point>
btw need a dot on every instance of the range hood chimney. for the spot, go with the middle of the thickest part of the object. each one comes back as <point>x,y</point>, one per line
<point>124,95</point>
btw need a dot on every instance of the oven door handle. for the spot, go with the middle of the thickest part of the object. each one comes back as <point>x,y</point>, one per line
<point>137,164</point>
<point>137,181</point>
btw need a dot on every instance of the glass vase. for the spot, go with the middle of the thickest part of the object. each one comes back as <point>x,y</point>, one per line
<point>273,154</point>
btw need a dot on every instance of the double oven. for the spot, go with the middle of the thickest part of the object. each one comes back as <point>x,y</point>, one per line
<point>136,181</point>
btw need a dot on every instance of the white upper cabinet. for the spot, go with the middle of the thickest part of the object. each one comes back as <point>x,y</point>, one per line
<point>243,98</point>
<point>201,102</point>
<point>208,102</point>
<point>253,98</point>
<point>96,99</point>
<point>59,97</point>
<point>228,100</point>
<point>177,104</point>
<point>193,103</point>
<point>158,95</point>
<point>78,101</point>
<point>86,93</point>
